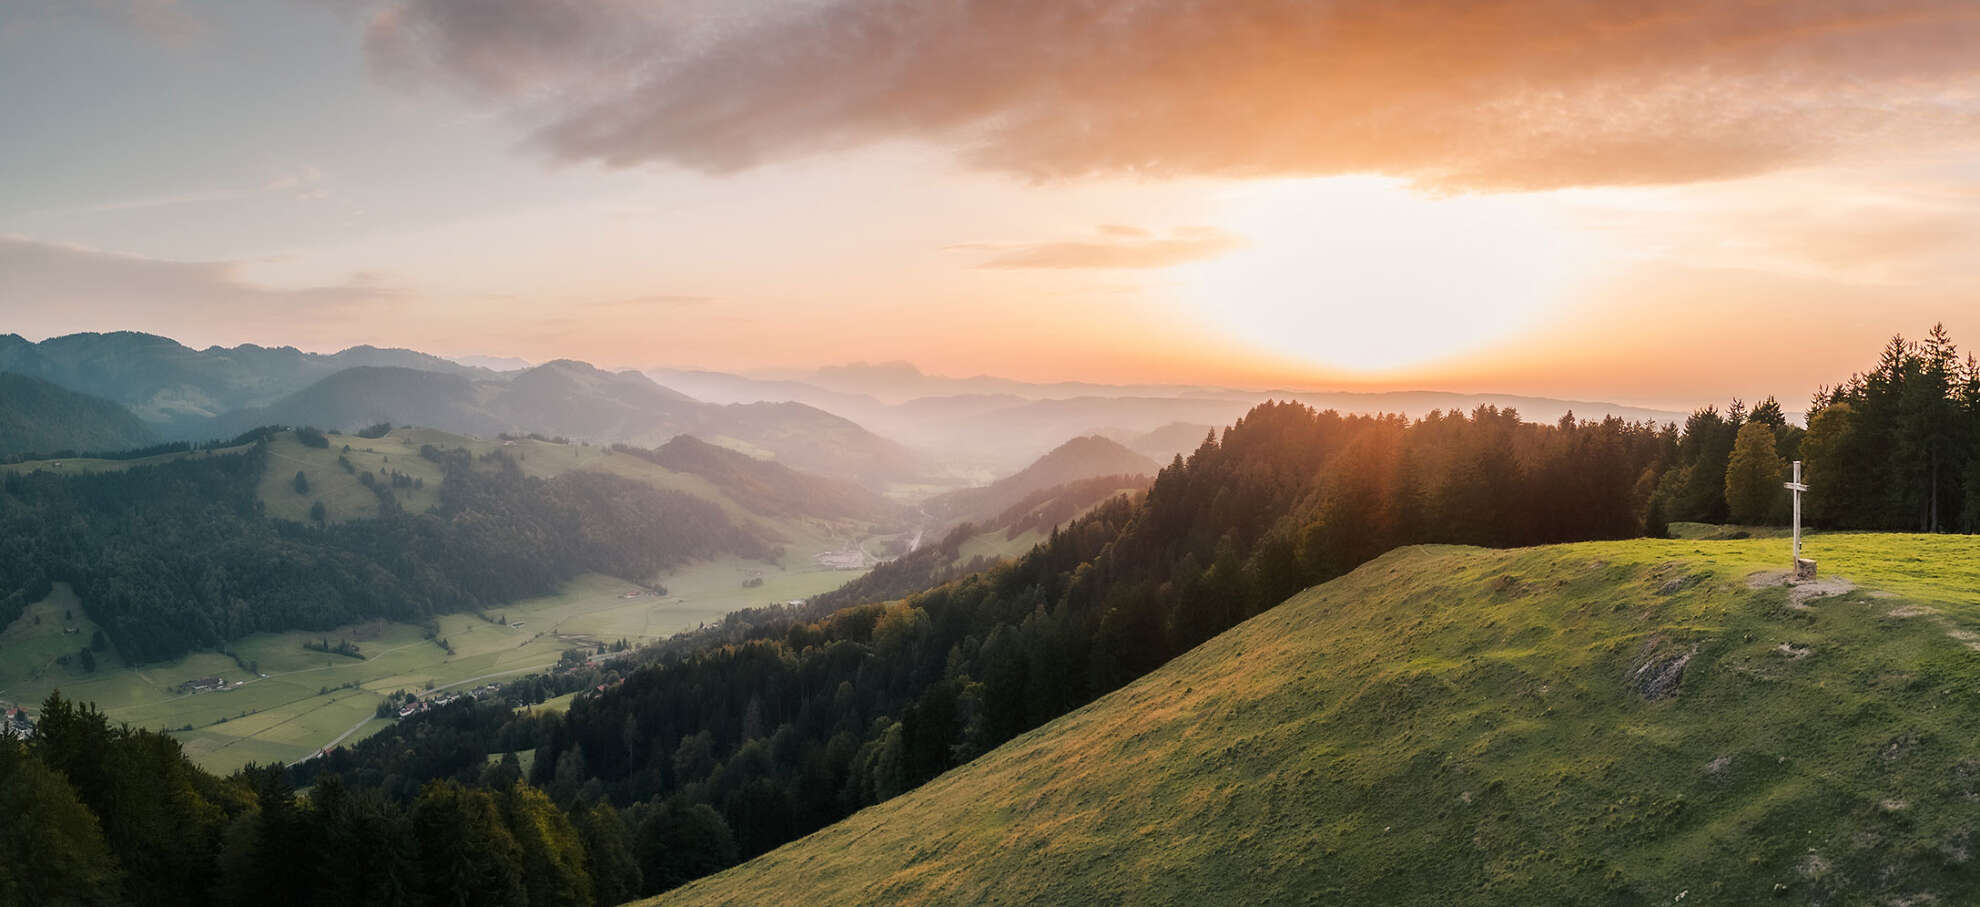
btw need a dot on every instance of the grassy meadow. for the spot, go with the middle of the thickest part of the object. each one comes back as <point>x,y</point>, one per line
<point>1633,722</point>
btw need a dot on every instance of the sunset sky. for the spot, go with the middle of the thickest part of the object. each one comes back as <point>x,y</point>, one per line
<point>1657,203</point>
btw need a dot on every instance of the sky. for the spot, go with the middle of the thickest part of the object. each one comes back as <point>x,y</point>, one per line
<point>1657,203</point>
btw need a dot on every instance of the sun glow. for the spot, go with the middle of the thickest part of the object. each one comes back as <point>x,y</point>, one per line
<point>1363,274</point>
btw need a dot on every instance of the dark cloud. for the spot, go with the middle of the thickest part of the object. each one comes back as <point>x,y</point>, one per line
<point>51,288</point>
<point>1451,93</point>
<point>1117,247</point>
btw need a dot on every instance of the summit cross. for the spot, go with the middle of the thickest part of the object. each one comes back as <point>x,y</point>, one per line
<point>1802,569</point>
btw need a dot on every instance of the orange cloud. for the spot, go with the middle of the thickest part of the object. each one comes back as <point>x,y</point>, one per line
<point>1118,247</point>
<point>1452,94</point>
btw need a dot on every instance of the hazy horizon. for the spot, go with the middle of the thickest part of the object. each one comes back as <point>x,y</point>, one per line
<point>880,371</point>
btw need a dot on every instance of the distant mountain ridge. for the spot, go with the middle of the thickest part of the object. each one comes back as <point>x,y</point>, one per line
<point>37,417</point>
<point>842,420</point>
<point>998,424</point>
<point>164,381</point>
<point>1081,458</point>
<point>579,401</point>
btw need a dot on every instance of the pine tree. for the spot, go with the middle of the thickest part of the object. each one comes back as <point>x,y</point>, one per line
<point>1753,475</point>
<point>51,850</point>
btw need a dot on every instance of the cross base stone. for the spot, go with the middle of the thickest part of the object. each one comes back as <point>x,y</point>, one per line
<point>1804,570</point>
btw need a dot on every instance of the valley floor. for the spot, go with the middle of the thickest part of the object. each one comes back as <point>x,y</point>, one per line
<point>308,700</point>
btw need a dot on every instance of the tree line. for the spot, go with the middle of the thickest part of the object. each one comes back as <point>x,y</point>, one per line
<point>1896,447</point>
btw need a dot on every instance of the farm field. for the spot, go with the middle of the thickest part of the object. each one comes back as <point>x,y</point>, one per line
<point>309,699</point>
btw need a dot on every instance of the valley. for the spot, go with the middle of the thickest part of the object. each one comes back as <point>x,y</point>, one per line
<point>309,699</point>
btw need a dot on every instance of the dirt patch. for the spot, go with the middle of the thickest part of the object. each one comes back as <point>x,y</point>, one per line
<point>1911,611</point>
<point>1793,651</point>
<point>1678,584</point>
<point>1800,593</point>
<point>1657,674</point>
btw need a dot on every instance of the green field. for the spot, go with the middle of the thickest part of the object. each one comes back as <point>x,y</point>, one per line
<point>304,702</point>
<point>1631,722</point>
<point>343,494</point>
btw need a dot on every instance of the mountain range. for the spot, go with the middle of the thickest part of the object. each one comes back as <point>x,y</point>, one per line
<point>995,425</point>
<point>184,394</point>
<point>881,425</point>
<point>165,382</point>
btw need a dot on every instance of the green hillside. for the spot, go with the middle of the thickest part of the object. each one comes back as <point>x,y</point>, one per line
<point>1605,723</point>
<point>39,417</point>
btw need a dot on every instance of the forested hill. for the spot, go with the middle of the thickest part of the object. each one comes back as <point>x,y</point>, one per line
<point>1614,723</point>
<point>179,555</point>
<point>782,724</point>
<point>41,418</point>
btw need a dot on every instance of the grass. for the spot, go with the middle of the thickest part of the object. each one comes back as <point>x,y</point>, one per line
<point>343,494</point>
<point>310,699</point>
<point>1458,726</point>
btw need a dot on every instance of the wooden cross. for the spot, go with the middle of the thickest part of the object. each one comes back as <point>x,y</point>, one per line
<point>1797,487</point>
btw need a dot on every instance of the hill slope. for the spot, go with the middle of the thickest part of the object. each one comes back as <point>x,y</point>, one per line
<point>1080,458</point>
<point>769,488</point>
<point>39,417</point>
<point>1613,722</point>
